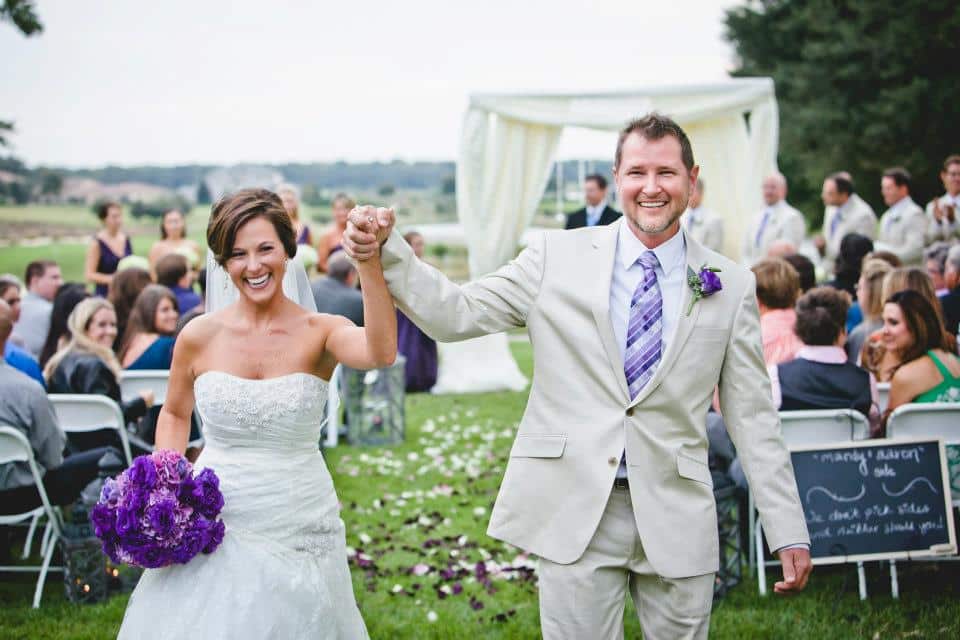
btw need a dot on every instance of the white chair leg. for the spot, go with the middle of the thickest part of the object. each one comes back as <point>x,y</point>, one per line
<point>761,565</point>
<point>862,581</point>
<point>752,523</point>
<point>32,530</point>
<point>43,572</point>
<point>47,532</point>
<point>894,584</point>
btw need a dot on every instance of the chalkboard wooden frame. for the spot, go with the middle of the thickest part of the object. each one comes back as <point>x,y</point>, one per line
<point>941,550</point>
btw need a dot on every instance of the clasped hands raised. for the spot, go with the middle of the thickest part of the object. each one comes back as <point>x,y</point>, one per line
<point>368,227</point>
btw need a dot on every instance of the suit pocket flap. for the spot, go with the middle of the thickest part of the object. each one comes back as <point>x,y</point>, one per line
<point>538,446</point>
<point>692,469</point>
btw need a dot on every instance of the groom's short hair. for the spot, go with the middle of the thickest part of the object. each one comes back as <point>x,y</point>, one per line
<point>233,211</point>
<point>655,126</point>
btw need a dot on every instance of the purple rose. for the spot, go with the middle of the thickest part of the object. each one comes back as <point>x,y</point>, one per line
<point>103,519</point>
<point>710,282</point>
<point>194,539</point>
<point>142,473</point>
<point>162,517</point>
<point>206,494</point>
<point>127,521</point>
<point>151,556</point>
<point>215,536</point>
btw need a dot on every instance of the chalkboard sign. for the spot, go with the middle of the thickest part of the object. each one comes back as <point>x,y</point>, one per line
<point>875,499</point>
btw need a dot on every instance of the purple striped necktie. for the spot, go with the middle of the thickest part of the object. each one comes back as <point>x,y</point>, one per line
<point>644,327</point>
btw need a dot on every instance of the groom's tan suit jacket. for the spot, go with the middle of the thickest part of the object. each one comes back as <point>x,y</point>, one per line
<point>579,418</point>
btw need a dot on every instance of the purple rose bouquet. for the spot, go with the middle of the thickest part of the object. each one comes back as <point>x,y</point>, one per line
<point>157,513</point>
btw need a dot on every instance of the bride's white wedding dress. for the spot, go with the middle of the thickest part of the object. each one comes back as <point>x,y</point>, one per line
<point>281,571</point>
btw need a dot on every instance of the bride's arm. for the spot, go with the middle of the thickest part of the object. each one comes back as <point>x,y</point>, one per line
<point>373,345</point>
<point>173,425</point>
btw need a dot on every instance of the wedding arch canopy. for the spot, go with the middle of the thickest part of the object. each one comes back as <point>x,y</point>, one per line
<point>507,148</point>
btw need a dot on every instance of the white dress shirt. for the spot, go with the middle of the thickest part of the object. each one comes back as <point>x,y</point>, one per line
<point>627,275</point>
<point>594,213</point>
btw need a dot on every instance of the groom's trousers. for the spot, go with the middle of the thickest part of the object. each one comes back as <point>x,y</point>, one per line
<point>586,599</point>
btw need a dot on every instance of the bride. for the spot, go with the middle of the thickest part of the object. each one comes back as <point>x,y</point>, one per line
<point>256,370</point>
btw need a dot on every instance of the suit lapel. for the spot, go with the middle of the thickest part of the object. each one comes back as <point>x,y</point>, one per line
<point>603,255</point>
<point>685,323</point>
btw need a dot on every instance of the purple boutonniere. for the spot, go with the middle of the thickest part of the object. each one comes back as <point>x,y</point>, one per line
<point>703,284</point>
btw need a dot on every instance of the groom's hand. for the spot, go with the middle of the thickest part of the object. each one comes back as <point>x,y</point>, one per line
<point>368,227</point>
<point>796,570</point>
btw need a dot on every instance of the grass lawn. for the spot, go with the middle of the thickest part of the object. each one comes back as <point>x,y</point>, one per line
<point>416,516</point>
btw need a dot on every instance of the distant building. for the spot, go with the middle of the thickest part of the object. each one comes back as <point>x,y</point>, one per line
<point>89,191</point>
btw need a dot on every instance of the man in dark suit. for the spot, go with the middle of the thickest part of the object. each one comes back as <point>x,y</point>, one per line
<point>597,211</point>
<point>337,293</point>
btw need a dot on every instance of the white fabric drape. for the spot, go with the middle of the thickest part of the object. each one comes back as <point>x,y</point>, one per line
<point>507,147</point>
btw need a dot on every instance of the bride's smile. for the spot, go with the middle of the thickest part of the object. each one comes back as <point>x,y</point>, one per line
<point>256,263</point>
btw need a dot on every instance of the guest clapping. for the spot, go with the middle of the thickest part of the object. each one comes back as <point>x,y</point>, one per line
<point>109,246</point>
<point>148,341</point>
<point>929,370</point>
<point>86,364</point>
<point>173,239</point>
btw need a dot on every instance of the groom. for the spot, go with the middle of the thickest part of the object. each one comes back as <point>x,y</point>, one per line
<point>608,480</point>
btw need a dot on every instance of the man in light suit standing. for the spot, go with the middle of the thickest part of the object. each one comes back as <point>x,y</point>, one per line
<point>777,221</point>
<point>701,223</point>
<point>845,213</point>
<point>903,226</point>
<point>943,213</point>
<point>608,480</point>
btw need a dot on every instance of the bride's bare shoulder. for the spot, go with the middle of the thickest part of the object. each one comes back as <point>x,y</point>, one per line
<point>201,330</point>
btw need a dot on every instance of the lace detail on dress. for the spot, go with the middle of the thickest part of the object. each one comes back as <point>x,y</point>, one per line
<point>279,400</point>
<point>321,539</point>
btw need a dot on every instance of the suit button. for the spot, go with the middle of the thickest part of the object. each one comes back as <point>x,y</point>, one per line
<point>630,412</point>
<point>613,461</point>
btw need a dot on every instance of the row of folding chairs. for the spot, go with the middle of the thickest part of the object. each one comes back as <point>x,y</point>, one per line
<point>816,428</point>
<point>76,413</point>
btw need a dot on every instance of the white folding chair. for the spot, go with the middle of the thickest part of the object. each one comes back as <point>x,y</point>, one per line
<point>81,413</point>
<point>927,420</point>
<point>333,408</point>
<point>804,429</point>
<point>156,380</point>
<point>14,447</point>
<point>883,390</point>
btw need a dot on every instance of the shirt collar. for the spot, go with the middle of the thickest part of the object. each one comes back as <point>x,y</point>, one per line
<point>825,354</point>
<point>596,210</point>
<point>670,254</point>
<point>900,204</point>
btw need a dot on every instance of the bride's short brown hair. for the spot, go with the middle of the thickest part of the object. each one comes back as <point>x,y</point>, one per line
<point>235,210</point>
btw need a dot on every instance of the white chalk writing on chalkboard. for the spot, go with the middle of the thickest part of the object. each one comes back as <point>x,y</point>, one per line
<point>897,494</point>
<point>835,497</point>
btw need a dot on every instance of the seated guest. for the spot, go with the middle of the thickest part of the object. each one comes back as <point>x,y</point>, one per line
<point>15,355</point>
<point>887,256</point>
<point>778,286</point>
<point>43,279</point>
<point>875,357</point>
<point>781,249</point>
<point>124,289</point>
<point>870,297</point>
<point>336,293</point>
<point>86,364</point>
<point>68,296</point>
<point>846,271</point>
<point>820,377</point>
<point>419,349</point>
<point>935,262</point>
<point>199,309</point>
<point>24,406</point>
<point>950,302</point>
<point>173,272</point>
<point>805,269</point>
<point>930,372</point>
<point>148,342</point>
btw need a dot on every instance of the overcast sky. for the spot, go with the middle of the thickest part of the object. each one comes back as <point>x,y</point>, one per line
<point>183,81</point>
